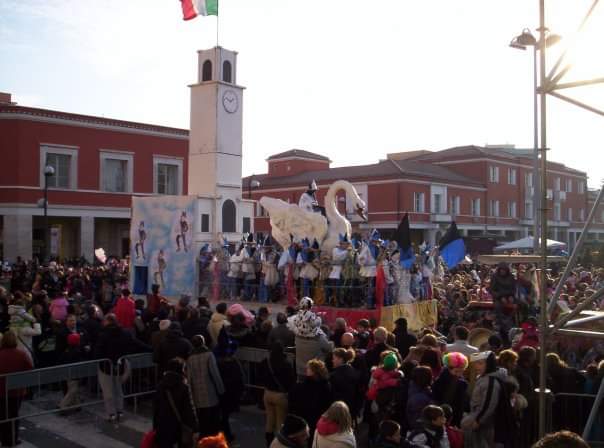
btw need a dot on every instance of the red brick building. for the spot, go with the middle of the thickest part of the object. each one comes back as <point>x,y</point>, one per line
<point>487,191</point>
<point>99,165</point>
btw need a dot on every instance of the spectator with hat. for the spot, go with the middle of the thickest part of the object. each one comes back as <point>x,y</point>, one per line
<point>72,354</point>
<point>311,341</point>
<point>450,387</point>
<point>294,433</point>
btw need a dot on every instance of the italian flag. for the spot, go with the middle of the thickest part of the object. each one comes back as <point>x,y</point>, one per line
<point>194,8</point>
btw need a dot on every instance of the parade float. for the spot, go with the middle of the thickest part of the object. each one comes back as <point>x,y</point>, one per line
<point>295,226</point>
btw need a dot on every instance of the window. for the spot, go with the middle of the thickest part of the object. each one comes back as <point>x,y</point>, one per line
<point>528,210</point>
<point>512,209</point>
<point>116,172</point>
<point>64,160</point>
<point>61,164</point>
<point>454,205</point>
<point>494,208</point>
<point>167,179</point>
<point>556,211</point>
<point>570,214</point>
<point>167,175</point>
<point>512,176</point>
<point>528,180</point>
<point>582,214</point>
<point>227,71</point>
<point>580,187</point>
<point>229,217</point>
<point>206,71</point>
<point>436,203</point>
<point>569,185</point>
<point>418,201</point>
<point>494,174</point>
<point>247,224</point>
<point>557,184</point>
<point>475,207</point>
<point>205,222</point>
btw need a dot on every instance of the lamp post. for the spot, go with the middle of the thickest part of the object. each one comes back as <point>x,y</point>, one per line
<point>521,42</point>
<point>48,171</point>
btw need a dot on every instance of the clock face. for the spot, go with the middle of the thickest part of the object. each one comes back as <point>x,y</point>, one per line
<point>230,101</point>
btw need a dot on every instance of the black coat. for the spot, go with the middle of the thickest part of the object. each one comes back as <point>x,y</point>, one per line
<point>234,386</point>
<point>281,379</point>
<point>448,389</point>
<point>165,422</point>
<point>346,386</point>
<point>113,343</point>
<point>174,345</point>
<point>92,327</point>
<point>404,341</point>
<point>310,399</point>
<point>193,327</point>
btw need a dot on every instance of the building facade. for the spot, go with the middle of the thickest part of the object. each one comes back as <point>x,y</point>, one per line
<point>487,191</point>
<point>98,163</point>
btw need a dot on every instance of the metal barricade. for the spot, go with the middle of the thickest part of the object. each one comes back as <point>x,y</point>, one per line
<point>49,390</point>
<point>142,377</point>
<point>250,359</point>
<point>571,412</point>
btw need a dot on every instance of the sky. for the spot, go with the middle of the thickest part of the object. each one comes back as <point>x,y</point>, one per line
<point>350,79</point>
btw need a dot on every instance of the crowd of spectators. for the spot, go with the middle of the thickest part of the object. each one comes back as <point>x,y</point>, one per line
<point>427,388</point>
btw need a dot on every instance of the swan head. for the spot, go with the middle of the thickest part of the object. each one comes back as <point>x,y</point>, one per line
<point>361,208</point>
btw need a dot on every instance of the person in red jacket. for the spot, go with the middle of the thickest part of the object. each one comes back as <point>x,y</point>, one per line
<point>125,311</point>
<point>12,360</point>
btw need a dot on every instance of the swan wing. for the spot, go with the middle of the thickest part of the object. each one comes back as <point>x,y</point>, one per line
<point>289,219</point>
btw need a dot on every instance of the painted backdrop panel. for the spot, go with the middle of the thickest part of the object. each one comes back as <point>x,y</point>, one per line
<point>162,239</point>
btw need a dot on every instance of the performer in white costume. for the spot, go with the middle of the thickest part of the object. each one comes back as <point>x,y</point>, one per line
<point>338,257</point>
<point>308,200</point>
<point>368,261</point>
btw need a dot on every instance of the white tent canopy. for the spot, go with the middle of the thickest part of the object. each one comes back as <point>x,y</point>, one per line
<point>527,243</point>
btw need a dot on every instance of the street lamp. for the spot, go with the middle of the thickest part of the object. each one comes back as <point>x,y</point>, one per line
<point>48,171</point>
<point>252,183</point>
<point>521,42</point>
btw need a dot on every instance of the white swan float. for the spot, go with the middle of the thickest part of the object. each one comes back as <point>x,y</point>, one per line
<point>288,219</point>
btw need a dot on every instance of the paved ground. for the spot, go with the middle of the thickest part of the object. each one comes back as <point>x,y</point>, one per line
<point>89,429</point>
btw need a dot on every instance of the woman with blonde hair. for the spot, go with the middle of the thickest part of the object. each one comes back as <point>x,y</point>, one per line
<point>334,429</point>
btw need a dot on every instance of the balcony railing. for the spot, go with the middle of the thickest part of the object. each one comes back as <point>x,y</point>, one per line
<point>559,196</point>
<point>440,217</point>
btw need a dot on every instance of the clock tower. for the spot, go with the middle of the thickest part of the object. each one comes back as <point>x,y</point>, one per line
<point>215,145</point>
<point>215,138</point>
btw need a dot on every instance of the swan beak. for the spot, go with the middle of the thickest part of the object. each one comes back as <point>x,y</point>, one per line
<point>361,213</point>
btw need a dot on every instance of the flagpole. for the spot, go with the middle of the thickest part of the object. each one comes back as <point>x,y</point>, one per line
<point>217,23</point>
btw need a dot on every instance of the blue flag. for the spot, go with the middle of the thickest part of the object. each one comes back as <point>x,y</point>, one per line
<point>452,247</point>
